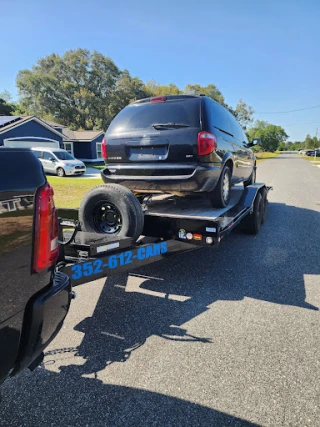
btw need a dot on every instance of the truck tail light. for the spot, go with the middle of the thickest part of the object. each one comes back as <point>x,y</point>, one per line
<point>46,246</point>
<point>104,148</point>
<point>207,142</point>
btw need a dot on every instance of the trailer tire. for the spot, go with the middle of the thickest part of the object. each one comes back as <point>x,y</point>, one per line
<point>264,195</point>
<point>111,209</point>
<point>252,223</point>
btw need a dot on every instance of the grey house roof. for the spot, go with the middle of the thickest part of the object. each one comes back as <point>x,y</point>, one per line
<point>54,124</point>
<point>81,135</point>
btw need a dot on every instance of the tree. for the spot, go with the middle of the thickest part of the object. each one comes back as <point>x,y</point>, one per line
<point>6,96</point>
<point>74,89</point>
<point>153,88</point>
<point>9,107</point>
<point>311,142</point>
<point>6,109</point>
<point>308,142</point>
<point>243,113</point>
<point>210,90</point>
<point>85,90</point>
<point>271,136</point>
<point>127,90</point>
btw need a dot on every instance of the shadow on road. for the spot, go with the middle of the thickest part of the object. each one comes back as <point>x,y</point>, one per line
<point>163,296</point>
<point>65,400</point>
<point>159,300</point>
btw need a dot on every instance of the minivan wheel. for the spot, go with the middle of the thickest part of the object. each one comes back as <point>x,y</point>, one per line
<point>220,196</point>
<point>252,178</point>
<point>60,172</point>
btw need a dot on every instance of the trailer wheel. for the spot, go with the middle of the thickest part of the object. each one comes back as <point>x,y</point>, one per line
<point>264,195</point>
<point>252,223</point>
<point>111,209</point>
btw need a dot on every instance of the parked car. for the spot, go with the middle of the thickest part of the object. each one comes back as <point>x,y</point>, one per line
<point>178,144</point>
<point>34,297</point>
<point>313,152</point>
<point>59,162</point>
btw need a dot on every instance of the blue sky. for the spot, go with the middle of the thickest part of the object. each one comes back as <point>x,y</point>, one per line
<point>266,52</point>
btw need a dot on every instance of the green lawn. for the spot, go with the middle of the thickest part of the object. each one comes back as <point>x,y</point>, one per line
<point>89,165</point>
<point>311,159</point>
<point>264,156</point>
<point>68,192</point>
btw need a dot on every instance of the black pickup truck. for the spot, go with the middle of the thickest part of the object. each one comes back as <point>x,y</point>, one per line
<point>34,298</point>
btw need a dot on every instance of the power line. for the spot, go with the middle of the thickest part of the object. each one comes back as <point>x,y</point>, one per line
<point>301,124</point>
<point>284,112</point>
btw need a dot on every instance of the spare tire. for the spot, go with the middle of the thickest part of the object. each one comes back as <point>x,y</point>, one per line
<point>111,209</point>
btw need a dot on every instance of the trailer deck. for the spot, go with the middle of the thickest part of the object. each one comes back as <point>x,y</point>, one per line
<point>171,225</point>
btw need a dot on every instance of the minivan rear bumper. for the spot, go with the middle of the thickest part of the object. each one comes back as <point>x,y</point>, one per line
<point>163,178</point>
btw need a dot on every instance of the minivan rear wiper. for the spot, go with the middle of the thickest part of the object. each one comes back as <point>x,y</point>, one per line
<point>169,125</point>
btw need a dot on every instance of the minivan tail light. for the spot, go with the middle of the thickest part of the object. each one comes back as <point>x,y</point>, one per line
<point>158,99</point>
<point>104,148</point>
<point>207,142</point>
<point>46,245</point>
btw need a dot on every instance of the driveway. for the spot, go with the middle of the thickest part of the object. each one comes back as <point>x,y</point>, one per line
<point>204,338</point>
<point>91,173</point>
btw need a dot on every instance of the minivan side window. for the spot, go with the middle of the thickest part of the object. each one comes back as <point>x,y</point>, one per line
<point>47,156</point>
<point>236,128</point>
<point>218,116</point>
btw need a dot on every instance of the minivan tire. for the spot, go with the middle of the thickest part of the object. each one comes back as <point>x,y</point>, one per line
<point>60,172</point>
<point>220,196</point>
<point>252,178</point>
<point>125,215</point>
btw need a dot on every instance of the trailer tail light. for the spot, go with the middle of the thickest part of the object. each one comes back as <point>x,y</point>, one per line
<point>46,246</point>
<point>207,142</point>
<point>104,148</point>
<point>158,99</point>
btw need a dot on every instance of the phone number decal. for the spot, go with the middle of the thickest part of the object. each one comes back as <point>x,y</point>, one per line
<point>90,268</point>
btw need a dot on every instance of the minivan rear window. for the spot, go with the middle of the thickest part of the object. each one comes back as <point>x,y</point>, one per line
<point>143,116</point>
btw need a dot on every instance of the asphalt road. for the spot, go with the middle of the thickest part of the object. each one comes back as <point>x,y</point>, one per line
<point>206,338</point>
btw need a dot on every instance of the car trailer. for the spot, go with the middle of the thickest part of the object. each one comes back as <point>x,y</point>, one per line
<point>171,224</point>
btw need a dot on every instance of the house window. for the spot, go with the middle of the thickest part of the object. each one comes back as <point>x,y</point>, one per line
<point>99,150</point>
<point>68,146</point>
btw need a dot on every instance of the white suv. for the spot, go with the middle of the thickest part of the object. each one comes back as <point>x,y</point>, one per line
<point>59,162</point>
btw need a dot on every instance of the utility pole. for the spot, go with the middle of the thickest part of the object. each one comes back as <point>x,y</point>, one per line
<point>314,145</point>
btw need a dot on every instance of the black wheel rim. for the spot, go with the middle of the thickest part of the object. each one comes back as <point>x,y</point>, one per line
<point>107,218</point>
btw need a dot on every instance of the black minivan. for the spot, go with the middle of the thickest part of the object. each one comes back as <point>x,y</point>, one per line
<point>178,144</point>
